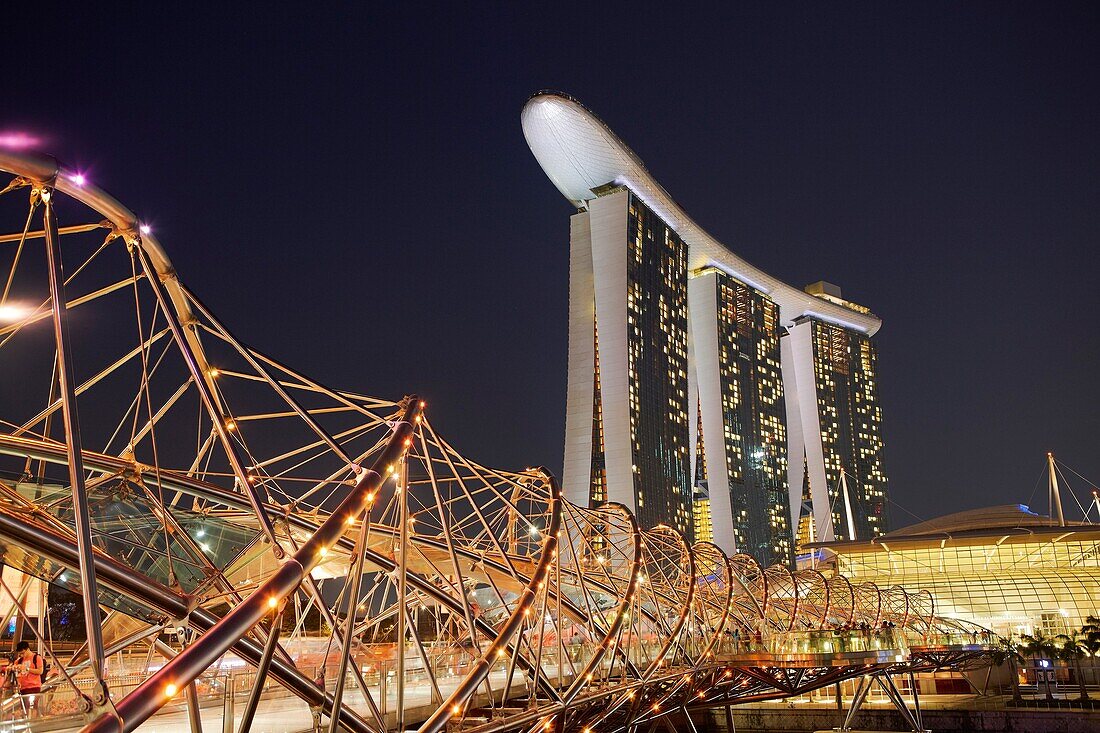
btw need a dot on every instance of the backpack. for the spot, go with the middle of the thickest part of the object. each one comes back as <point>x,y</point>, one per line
<point>46,668</point>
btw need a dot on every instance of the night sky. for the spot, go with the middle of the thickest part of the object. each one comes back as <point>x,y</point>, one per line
<point>351,192</point>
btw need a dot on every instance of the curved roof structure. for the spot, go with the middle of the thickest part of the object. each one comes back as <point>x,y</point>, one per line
<point>580,153</point>
<point>1006,516</point>
<point>1012,523</point>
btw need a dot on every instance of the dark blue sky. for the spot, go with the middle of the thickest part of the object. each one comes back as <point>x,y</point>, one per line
<point>352,193</point>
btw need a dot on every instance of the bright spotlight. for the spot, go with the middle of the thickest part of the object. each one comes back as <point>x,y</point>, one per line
<point>12,312</point>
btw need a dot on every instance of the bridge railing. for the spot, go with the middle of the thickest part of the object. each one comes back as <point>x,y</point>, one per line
<point>837,641</point>
<point>977,637</point>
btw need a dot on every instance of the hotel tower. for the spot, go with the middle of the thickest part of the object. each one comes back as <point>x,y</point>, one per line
<point>703,393</point>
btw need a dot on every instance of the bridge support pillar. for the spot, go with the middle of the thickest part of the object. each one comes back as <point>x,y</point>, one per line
<point>886,682</point>
<point>916,700</point>
<point>687,720</point>
<point>912,718</point>
<point>194,714</point>
<point>862,689</point>
<point>228,703</point>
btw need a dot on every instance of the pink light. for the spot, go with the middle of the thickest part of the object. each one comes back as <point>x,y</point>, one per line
<point>145,228</point>
<point>18,140</point>
<point>78,179</point>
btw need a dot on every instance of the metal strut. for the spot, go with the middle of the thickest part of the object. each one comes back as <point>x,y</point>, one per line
<point>355,580</point>
<point>886,682</point>
<point>261,673</point>
<point>862,689</point>
<point>150,696</point>
<point>81,517</point>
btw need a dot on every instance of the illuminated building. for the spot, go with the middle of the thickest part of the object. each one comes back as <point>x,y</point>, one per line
<point>835,422</point>
<point>1006,568</point>
<point>628,388</point>
<point>683,400</point>
<point>742,426</point>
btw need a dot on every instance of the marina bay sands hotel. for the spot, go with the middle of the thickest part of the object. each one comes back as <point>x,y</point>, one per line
<point>704,393</point>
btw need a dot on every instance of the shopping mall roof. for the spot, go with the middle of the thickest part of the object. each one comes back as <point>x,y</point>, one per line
<point>1011,523</point>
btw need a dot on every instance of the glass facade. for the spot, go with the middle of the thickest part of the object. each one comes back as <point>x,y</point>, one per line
<point>851,427</point>
<point>598,490</point>
<point>754,420</point>
<point>657,361</point>
<point>701,519</point>
<point>1011,584</point>
<point>658,364</point>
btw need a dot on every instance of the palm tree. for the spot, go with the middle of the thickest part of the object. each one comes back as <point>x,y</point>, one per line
<point>1071,647</point>
<point>1040,646</point>
<point>1089,638</point>
<point>1090,634</point>
<point>1007,651</point>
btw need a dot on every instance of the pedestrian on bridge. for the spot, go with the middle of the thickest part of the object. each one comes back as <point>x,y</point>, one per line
<point>29,669</point>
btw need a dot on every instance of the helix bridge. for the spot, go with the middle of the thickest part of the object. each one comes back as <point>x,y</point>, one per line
<point>204,502</point>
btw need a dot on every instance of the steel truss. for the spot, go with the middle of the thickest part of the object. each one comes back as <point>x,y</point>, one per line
<point>178,479</point>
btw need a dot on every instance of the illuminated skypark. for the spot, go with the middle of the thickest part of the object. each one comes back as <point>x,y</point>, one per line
<point>757,418</point>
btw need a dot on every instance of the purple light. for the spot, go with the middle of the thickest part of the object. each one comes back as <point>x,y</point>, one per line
<point>18,140</point>
<point>145,229</point>
<point>78,179</point>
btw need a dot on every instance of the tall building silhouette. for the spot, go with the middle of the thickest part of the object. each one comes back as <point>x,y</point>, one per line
<point>703,393</point>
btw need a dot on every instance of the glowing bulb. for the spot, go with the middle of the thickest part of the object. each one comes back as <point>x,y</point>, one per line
<point>231,425</point>
<point>272,602</point>
<point>323,551</point>
<point>170,690</point>
<point>9,313</point>
<point>145,229</point>
<point>78,179</point>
